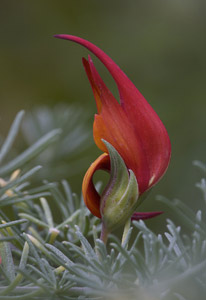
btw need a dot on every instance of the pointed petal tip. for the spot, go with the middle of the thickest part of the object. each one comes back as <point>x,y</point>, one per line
<point>84,61</point>
<point>90,59</point>
<point>70,38</point>
<point>58,36</point>
<point>61,36</point>
<point>145,215</point>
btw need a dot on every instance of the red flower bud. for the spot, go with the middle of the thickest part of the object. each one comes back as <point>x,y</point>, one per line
<point>132,127</point>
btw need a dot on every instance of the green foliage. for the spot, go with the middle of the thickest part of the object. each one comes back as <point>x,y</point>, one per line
<point>50,249</point>
<point>67,157</point>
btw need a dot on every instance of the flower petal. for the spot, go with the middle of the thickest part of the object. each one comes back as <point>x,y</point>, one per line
<point>90,195</point>
<point>112,124</point>
<point>145,215</point>
<point>154,147</point>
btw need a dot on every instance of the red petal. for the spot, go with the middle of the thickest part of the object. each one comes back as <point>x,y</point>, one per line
<point>113,125</point>
<point>96,89</point>
<point>151,134</point>
<point>90,195</point>
<point>145,215</point>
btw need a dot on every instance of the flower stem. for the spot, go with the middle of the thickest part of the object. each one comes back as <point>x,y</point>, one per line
<point>104,234</point>
<point>126,229</point>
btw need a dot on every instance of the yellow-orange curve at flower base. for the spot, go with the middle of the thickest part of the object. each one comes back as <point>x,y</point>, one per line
<point>90,195</point>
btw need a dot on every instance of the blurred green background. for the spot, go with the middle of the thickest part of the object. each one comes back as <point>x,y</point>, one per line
<point>160,45</point>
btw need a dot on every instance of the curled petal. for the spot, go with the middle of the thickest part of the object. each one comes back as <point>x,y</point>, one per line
<point>90,195</point>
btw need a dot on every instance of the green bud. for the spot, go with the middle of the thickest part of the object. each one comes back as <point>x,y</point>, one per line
<point>120,197</point>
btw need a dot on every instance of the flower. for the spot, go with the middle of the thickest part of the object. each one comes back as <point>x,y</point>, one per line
<point>132,127</point>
